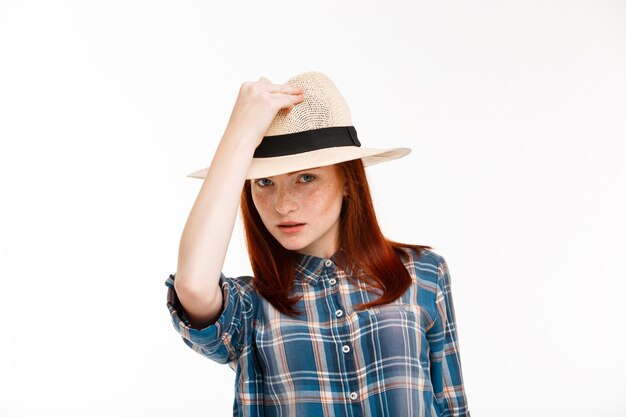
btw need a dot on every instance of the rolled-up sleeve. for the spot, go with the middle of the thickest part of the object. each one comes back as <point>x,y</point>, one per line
<point>445,358</point>
<point>223,340</point>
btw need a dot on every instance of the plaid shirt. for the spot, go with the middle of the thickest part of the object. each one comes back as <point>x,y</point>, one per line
<point>400,359</point>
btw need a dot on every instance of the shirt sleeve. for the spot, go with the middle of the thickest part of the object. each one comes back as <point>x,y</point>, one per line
<point>445,359</point>
<point>223,340</point>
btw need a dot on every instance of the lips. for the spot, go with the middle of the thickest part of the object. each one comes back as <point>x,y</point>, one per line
<point>291,227</point>
<point>289,224</point>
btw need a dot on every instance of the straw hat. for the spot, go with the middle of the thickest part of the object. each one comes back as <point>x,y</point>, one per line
<point>316,132</point>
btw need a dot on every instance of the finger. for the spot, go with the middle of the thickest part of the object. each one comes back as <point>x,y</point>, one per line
<point>279,88</point>
<point>285,89</point>
<point>286,101</point>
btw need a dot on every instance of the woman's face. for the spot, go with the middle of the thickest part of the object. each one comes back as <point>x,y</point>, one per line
<point>311,198</point>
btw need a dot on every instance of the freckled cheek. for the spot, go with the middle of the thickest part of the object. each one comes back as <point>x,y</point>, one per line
<point>262,204</point>
<point>321,199</point>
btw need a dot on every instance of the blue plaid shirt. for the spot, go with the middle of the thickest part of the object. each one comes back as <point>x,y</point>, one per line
<point>400,359</point>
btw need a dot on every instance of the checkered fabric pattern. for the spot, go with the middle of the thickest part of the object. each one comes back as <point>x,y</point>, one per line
<point>400,359</point>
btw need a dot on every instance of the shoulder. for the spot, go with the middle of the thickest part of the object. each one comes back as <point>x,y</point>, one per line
<point>239,286</point>
<point>244,281</point>
<point>243,284</point>
<point>425,265</point>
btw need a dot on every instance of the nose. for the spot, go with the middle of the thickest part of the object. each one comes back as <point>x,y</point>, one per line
<point>285,202</point>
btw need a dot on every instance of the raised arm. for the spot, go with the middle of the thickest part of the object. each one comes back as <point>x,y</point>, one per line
<point>208,229</point>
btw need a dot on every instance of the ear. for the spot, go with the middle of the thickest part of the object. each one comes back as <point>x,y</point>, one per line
<point>345,189</point>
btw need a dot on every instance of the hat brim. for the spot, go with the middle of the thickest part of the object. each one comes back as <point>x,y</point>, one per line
<point>267,167</point>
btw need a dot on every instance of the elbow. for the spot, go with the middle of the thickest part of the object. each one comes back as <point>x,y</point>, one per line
<point>194,290</point>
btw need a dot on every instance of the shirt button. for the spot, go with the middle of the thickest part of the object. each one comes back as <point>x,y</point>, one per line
<point>332,281</point>
<point>345,348</point>
<point>338,313</point>
<point>328,262</point>
<point>353,395</point>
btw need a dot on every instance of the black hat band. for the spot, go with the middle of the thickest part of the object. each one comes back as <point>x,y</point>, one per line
<point>306,141</point>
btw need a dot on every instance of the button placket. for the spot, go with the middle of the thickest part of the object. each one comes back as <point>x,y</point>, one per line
<point>328,263</point>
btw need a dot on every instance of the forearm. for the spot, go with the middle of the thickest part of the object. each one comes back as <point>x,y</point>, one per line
<point>209,227</point>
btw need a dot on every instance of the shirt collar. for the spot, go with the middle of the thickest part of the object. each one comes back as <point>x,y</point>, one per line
<point>310,268</point>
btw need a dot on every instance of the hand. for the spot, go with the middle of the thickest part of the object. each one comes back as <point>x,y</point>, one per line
<point>257,105</point>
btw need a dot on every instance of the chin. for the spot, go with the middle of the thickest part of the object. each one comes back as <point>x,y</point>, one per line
<point>293,246</point>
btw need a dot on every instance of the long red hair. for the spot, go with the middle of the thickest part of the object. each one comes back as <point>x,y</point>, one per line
<point>376,259</point>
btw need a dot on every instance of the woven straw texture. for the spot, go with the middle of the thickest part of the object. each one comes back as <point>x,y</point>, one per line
<point>324,106</point>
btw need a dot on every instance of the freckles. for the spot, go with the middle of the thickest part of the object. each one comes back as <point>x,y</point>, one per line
<point>261,202</point>
<point>265,203</point>
<point>316,196</point>
<point>323,196</point>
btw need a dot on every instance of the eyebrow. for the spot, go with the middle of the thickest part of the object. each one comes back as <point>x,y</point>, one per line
<point>291,174</point>
<point>297,172</point>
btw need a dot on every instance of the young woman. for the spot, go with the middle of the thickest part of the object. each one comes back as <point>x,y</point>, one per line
<point>337,320</point>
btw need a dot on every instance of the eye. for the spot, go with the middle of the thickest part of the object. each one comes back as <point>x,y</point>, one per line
<point>260,180</point>
<point>312,177</point>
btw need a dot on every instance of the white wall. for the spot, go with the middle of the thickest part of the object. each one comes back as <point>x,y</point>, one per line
<point>516,115</point>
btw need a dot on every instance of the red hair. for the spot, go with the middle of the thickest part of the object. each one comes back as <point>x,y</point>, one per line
<point>376,258</point>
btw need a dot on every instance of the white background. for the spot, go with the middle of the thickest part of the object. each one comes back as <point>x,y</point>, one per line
<point>516,114</point>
